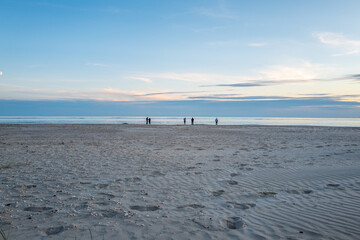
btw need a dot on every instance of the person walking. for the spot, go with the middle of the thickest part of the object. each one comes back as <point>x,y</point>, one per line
<point>216,121</point>
<point>192,121</point>
<point>184,120</point>
<point>147,120</point>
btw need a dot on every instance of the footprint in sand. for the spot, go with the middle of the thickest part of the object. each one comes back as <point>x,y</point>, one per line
<point>108,195</point>
<point>145,208</point>
<point>194,205</point>
<point>101,185</point>
<point>54,230</point>
<point>247,169</point>
<point>267,194</point>
<point>110,213</point>
<point>333,185</point>
<point>132,179</point>
<point>189,168</point>
<point>232,182</point>
<point>156,174</point>
<point>299,191</point>
<point>37,209</point>
<point>242,206</point>
<point>234,174</point>
<point>217,193</point>
<point>232,223</point>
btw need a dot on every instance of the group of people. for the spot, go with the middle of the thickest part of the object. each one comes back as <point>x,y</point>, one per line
<point>148,121</point>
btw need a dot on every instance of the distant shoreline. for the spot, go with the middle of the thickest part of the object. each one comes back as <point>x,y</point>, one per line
<point>172,121</point>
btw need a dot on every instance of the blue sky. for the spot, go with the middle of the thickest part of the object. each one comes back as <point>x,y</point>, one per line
<point>157,53</point>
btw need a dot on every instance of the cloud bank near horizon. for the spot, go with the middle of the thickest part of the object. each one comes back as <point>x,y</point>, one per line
<point>262,107</point>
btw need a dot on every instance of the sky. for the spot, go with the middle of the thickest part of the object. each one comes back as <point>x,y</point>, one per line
<point>167,57</point>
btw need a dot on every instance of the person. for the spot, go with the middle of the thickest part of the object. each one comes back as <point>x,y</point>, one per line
<point>147,120</point>
<point>216,121</point>
<point>184,120</point>
<point>192,121</point>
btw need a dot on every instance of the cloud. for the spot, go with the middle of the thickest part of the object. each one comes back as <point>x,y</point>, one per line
<point>225,43</point>
<point>220,10</point>
<point>144,79</point>
<point>303,72</point>
<point>351,77</point>
<point>338,40</point>
<point>247,84</point>
<point>261,44</point>
<point>276,108</point>
<point>193,77</point>
<point>230,97</point>
<point>167,93</point>
<point>275,75</point>
<point>16,92</point>
<point>304,97</point>
<point>272,82</point>
<point>272,75</point>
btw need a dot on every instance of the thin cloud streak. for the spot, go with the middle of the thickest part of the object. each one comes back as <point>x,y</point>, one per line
<point>338,98</point>
<point>220,11</point>
<point>349,47</point>
<point>262,44</point>
<point>144,79</point>
<point>167,93</point>
<point>305,71</point>
<point>225,43</point>
<point>262,83</point>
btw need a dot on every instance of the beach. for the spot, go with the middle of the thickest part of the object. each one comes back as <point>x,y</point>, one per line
<point>179,182</point>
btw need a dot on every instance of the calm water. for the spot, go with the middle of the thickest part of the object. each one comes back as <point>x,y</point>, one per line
<point>345,122</point>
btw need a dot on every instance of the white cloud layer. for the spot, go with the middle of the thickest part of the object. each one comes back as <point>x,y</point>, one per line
<point>338,40</point>
<point>260,44</point>
<point>303,71</point>
<point>144,79</point>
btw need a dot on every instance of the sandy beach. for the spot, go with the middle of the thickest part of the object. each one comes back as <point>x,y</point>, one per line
<point>179,182</point>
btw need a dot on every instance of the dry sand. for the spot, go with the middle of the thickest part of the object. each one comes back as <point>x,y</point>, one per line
<point>179,182</point>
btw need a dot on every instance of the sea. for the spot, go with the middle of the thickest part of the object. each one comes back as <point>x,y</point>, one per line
<point>287,121</point>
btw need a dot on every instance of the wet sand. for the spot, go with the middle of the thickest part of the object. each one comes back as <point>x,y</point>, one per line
<point>179,182</point>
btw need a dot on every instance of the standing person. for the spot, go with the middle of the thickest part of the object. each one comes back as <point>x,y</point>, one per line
<point>216,121</point>
<point>184,120</point>
<point>192,121</point>
<point>147,120</point>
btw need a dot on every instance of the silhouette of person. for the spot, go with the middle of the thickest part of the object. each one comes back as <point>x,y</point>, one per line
<point>185,121</point>
<point>192,121</point>
<point>216,121</point>
<point>147,120</point>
